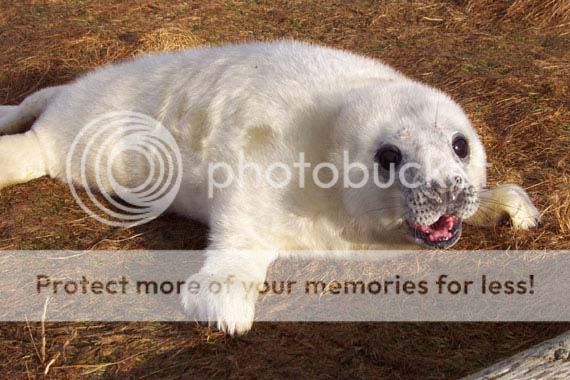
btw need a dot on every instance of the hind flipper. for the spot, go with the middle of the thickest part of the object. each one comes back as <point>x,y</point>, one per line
<point>21,159</point>
<point>18,119</point>
<point>5,110</point>
<point>13,122</point>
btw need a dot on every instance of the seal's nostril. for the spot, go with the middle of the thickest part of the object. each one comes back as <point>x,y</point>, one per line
<point>458,180</point>
<point>434,185</point>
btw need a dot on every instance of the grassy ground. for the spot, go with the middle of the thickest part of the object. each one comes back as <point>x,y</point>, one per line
<point>507,63</point>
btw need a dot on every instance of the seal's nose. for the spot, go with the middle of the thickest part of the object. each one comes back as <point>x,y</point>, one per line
<point>448,189</point>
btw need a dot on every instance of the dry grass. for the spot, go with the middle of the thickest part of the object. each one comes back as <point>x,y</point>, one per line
<point>553,13</point>
<point>507,63</point>
<point>172,38</point>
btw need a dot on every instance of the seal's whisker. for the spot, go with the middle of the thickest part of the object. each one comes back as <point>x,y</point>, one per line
<point>394,223</point>
<point>392,207</point>
<point>486,212</point>
<point>436,112</point>
<point>494,202</point>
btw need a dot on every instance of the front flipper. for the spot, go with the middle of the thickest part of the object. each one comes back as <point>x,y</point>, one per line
<point>506,201</point>
<point>226,288</point>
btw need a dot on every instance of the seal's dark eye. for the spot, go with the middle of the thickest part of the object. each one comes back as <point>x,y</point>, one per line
<point>460,147</point>
<point>387,155</point>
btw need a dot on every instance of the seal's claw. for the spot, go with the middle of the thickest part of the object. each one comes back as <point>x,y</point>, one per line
<point>225,302</point>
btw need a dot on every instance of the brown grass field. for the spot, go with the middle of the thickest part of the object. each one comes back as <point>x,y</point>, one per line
<point>506,62</point>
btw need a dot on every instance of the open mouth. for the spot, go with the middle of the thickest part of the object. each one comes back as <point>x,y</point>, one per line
<point>441,234</point>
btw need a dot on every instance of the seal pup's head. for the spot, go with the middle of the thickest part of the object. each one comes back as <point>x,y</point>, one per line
<point>427,160</point>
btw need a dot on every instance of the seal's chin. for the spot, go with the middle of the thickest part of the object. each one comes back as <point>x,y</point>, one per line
<point>442,234</point>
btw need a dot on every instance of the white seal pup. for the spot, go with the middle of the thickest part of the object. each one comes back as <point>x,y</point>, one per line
<point>268,103</point>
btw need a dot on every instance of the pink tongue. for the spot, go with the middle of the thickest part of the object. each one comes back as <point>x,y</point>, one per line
<point>440,229</point>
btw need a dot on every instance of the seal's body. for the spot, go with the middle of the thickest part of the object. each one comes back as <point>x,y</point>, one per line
<point>268,103</point>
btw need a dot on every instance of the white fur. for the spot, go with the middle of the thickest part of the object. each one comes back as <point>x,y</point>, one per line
<point>268,102</point>
<point>507,201</point>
